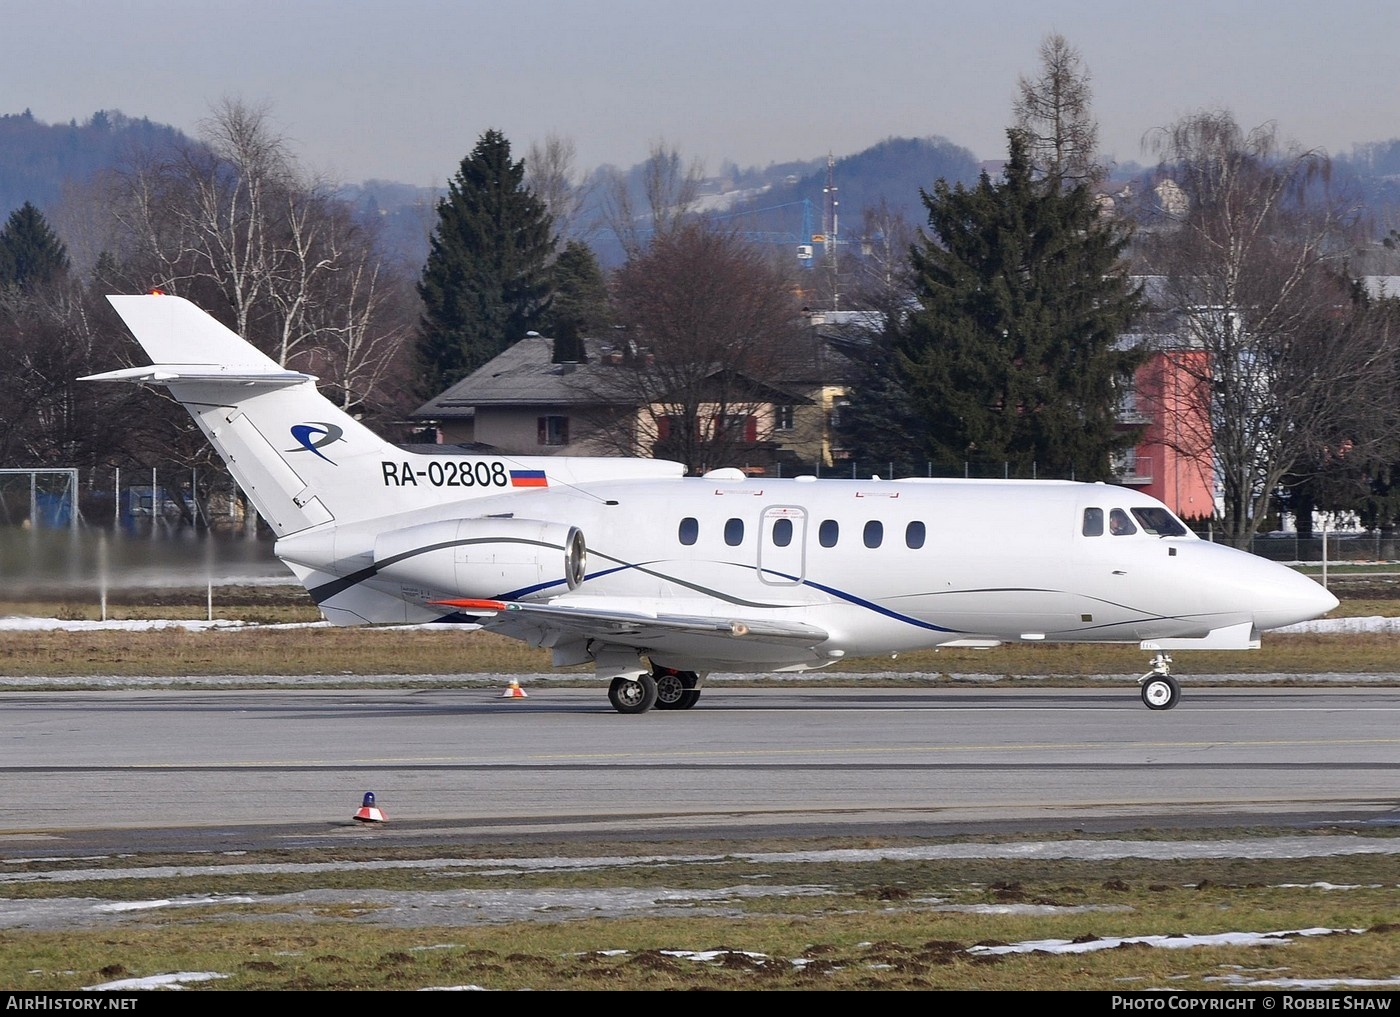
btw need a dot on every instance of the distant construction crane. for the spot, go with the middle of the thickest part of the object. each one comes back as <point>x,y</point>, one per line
<point>803,241</point>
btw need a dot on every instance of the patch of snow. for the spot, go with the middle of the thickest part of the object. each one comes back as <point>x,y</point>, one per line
<point>1310,983</point>
<point>1029,910</point>
<point>1065,946</point>
<point>174,980</point>
<point>183,902</point>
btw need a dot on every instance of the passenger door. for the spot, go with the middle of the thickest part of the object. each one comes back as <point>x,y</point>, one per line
<point>782,543</point>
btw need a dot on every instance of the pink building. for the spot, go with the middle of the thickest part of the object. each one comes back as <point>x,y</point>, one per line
<point>1172,461</point>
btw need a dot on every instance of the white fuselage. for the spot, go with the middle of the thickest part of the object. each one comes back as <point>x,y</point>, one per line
<point>880,566</point>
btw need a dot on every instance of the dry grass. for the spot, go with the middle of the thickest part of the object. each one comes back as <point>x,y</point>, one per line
<point>173,652</point>
<point>335,652</point>
<point>875,925</point>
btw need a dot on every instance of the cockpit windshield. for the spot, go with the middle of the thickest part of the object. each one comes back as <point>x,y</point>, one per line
<point>1153,521</point>
<point>1159,522</point>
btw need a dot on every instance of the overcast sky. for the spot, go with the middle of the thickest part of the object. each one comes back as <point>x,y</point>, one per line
<point>402,90</point>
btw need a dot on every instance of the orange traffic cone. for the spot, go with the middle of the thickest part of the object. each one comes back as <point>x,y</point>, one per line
<point>514,691</point>
<point>368,813</point>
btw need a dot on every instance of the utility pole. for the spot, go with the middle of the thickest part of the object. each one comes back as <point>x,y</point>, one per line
<point>831,225</point>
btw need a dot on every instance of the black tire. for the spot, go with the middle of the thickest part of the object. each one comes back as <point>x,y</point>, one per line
<point>632,695</point>
<point>1160,692</point>
<point>675,690</point>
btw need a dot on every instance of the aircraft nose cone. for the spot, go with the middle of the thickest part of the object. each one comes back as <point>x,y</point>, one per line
<point>1292,598</point>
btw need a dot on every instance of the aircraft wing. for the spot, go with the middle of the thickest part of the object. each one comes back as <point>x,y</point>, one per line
<point>638,625</point>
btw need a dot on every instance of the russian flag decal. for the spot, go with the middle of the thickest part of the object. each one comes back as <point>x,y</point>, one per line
<point>528,478</point>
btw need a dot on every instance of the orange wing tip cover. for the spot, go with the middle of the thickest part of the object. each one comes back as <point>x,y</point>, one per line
<point>472,605</point>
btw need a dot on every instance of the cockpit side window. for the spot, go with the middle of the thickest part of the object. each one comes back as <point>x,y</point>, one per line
<point>1119,524</point>
<point>1159,522</point>
<point>1093,522</point>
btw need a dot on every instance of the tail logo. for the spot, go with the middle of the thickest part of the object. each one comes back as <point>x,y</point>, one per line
<point>314,436</point>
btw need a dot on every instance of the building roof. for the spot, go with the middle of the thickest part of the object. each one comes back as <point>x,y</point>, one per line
<point>525,375</point>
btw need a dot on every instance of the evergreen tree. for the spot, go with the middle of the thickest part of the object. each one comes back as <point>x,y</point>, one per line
<point>30,253</point>
<point>486,282</point>
<point>880,423</point>
<point>580,304</point>
<point>1012,355</point>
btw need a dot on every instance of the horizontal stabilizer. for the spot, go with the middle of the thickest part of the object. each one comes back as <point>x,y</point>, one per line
<point>170,374</point>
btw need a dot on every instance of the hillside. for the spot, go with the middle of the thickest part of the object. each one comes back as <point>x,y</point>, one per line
<point>37,160</point>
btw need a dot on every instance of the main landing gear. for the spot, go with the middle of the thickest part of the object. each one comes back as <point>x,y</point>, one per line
<point>675,690</point>
<point>664,687</point>
<point>636,687</point>
<point>1160,690</point>
<point>632,693</point>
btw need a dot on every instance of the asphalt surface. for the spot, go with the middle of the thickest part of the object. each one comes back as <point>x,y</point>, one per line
<point>182,770</point>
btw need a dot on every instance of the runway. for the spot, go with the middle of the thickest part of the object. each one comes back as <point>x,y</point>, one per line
<point>107,768</point>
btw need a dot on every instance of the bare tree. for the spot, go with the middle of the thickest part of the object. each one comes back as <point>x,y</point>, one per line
<point>49,337</point>
<point>363,322</point>
<point>551,176</point>
<point>883,273</point>
<point>709,322</point>
<point>1250,255</point>
<point>231,221</point>
<point>655,200</point>
<point>1053,110</point>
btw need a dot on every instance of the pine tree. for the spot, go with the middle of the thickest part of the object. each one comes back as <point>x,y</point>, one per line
<point>485,283</point>
<point>30,253</point>
<point>580,304</point>
<point>1012,356</point>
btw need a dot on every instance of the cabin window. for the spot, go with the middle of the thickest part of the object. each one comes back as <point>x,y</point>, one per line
<point>782,532</point>
<point>874,533</point>
<point>914,535</point>
<point>734,532</point>
<point>1119,524</point>
<point>1093,522</point>
<point>782,417</point>
<point>828,532</point>
<point>1159,522</point>
<point>689,531</point>
<point>552,430</point>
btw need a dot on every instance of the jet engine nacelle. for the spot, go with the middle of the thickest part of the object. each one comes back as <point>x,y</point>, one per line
<point>483,558</point>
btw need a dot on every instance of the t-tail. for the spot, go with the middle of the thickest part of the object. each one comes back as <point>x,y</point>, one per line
<point>300,459</point>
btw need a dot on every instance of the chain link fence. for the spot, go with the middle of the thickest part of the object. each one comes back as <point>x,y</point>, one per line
<point>132,499</point>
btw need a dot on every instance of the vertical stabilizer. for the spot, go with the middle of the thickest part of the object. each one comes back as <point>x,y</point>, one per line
<point>300,459</point>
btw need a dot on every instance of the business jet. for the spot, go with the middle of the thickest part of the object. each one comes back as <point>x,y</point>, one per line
<point>659,579</point>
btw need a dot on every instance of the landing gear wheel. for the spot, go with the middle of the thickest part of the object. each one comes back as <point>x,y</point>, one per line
<point>632,695</point>
<point>675,690</point>
<point>1160,692</point>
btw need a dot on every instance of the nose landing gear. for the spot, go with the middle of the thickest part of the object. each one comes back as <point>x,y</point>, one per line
<point>1160,690</point>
